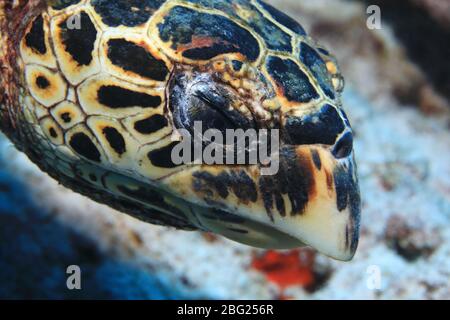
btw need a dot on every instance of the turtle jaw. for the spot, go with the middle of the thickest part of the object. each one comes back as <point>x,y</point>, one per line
<point>330,220</point>
<point>313,200</point>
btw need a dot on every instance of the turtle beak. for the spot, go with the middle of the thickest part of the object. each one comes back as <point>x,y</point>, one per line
<point>323,207</point>
<point>313,199</point>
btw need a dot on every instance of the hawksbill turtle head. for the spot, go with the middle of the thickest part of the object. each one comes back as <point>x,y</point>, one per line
<point>309,194</point>
<point>102,108</point>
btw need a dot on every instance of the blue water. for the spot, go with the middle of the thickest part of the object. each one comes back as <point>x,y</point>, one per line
<point>35,251</point>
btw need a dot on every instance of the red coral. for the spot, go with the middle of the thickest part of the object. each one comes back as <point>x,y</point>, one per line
<point>286,269</point>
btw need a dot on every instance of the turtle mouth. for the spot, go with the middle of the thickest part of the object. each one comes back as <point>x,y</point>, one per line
<point>313,199</point>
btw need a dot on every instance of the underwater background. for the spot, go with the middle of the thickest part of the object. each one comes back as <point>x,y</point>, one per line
<point>398,100</point>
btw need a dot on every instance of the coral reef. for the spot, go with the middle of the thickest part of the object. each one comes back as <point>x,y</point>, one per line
<point>402,128</point>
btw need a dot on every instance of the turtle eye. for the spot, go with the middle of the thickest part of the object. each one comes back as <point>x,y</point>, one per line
<point>211,109</point>
<point>204,102</point>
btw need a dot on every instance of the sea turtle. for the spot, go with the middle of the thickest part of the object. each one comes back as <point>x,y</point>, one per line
<point>94,92</point>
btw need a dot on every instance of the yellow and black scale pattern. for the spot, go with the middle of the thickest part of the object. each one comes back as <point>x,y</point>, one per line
<point>102,81</point>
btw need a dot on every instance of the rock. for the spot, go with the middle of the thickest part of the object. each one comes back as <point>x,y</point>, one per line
<point>410,239</point>
<point>439,9</point>
<point>421,28</point>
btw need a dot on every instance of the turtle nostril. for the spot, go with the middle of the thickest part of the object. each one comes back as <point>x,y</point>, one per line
<point>344,146</point>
